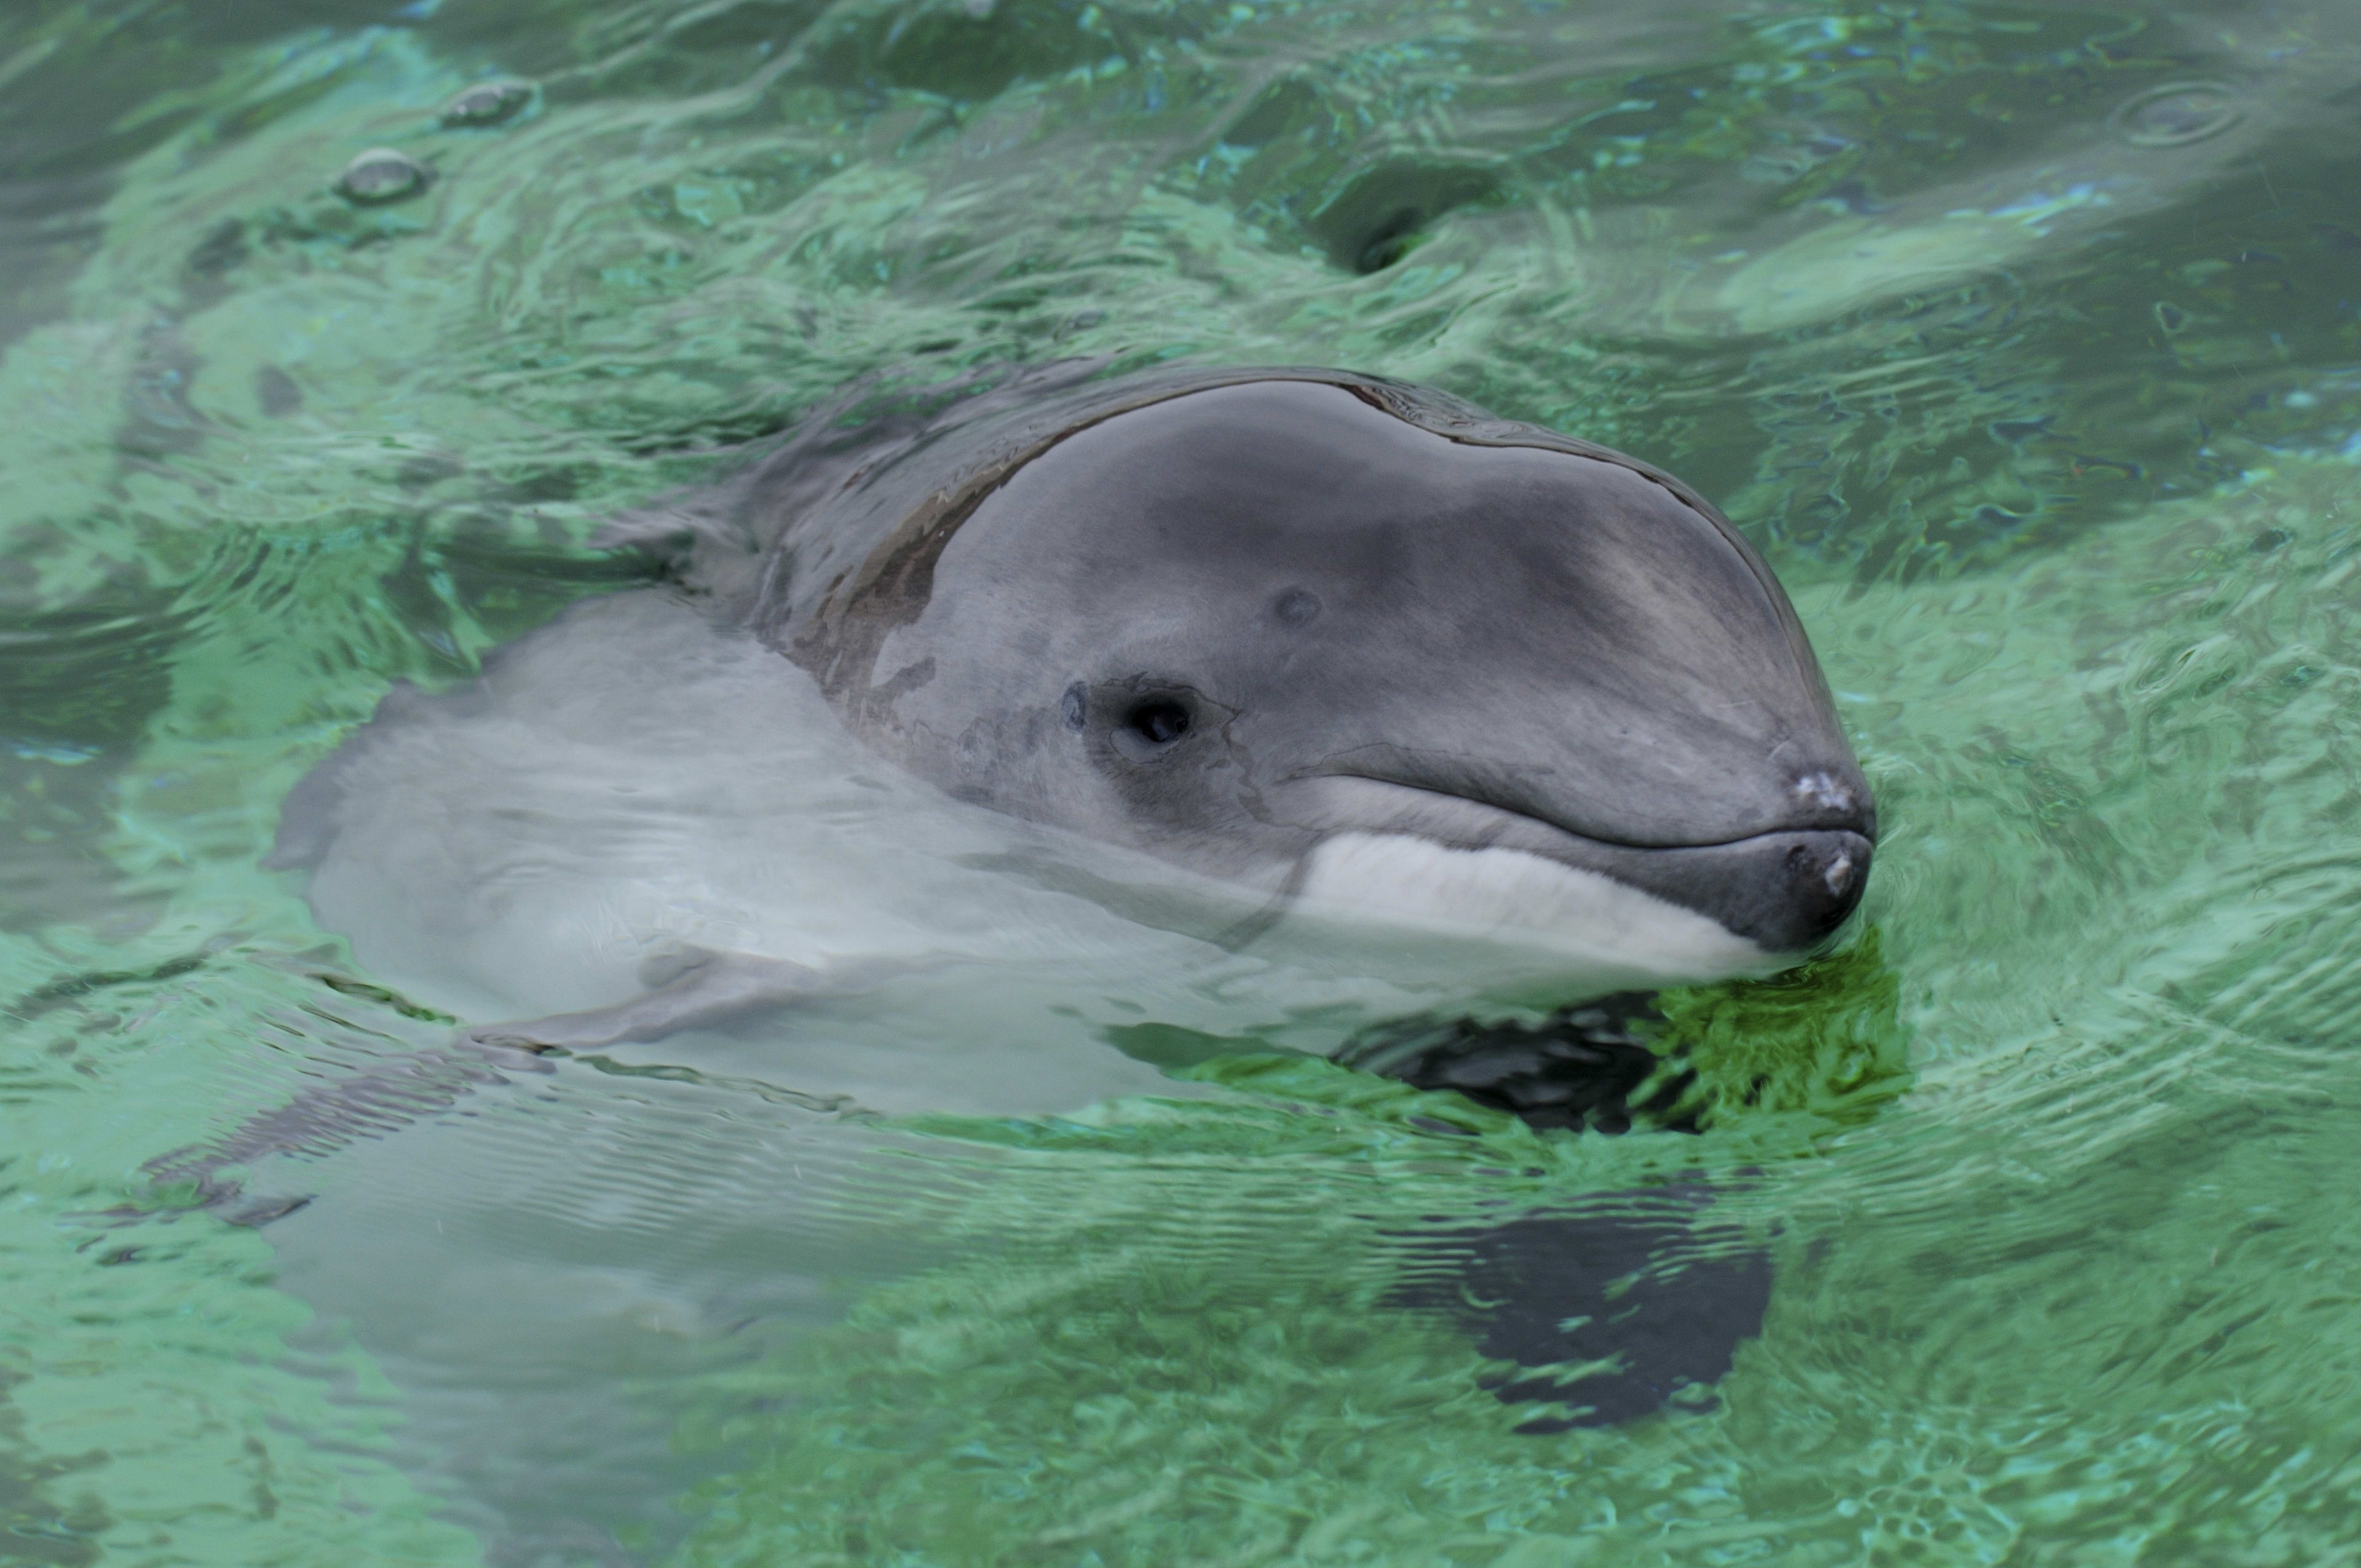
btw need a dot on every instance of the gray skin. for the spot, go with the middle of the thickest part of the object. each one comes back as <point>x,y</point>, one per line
<point>1220,615</point>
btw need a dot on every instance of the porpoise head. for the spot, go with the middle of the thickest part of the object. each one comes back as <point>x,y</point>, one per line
<point>1345,642</point>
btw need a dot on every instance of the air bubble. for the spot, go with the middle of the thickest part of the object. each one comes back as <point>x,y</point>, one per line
<point>2177,113</point>
<point>488,103</point>
<point>382,175</point>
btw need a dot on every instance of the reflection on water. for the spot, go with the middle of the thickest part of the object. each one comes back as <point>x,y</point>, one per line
<point>2021,339</point>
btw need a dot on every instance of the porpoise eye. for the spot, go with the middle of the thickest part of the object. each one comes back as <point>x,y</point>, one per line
<point>1159,721</point>
<point>1075,705</point>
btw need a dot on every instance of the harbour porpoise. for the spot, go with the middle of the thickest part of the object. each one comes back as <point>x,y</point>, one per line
<point>1272,694</point>
<point>958,750</point>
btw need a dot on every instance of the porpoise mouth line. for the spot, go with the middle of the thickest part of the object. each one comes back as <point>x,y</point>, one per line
<point>1564,831</point>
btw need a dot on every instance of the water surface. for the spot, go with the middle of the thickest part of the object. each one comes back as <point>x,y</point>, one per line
<point>2022,339</point>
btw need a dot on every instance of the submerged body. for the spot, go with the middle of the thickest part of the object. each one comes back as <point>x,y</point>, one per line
<point>1262,702</point>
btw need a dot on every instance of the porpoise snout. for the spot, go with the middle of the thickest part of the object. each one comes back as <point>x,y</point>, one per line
<point>1786,891</point>
<point>1790,889</point>
<point>1824,871</point>
<point>1829,799</point>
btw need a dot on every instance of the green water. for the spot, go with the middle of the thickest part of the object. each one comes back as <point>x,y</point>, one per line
<point>2022,339</point>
